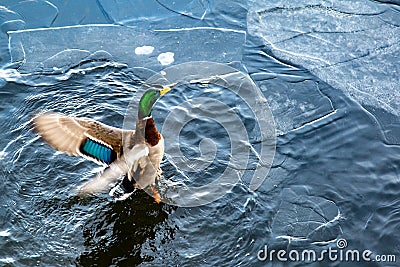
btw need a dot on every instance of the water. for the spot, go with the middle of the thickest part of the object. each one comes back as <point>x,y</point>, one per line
<point>335,173</point>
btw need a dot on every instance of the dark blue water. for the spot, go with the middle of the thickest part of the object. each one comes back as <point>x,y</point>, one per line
<point>329,72</point>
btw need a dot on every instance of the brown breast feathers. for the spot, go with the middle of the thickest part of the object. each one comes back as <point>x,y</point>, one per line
<point>151,133</point>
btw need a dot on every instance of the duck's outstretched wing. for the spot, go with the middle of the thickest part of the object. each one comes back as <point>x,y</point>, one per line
<point>129,162</point>
<point>80,137</point>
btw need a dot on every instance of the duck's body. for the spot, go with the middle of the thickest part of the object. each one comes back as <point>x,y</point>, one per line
<point>134,154</point>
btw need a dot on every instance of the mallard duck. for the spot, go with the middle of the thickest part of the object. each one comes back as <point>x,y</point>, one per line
<point>133,154</point>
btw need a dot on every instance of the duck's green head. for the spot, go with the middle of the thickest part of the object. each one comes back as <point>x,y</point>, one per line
<point>148,99</point>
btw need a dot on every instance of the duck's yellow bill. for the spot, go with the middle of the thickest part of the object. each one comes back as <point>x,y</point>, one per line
<point>165,90</point>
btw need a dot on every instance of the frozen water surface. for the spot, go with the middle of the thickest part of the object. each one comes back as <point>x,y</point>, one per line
<point>351,45</point>
<point>43,49</point>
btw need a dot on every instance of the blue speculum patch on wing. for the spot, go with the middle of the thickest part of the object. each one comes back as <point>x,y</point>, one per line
<point>98,151</point>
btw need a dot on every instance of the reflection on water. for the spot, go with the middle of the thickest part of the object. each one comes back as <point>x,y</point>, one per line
<point>335,172</point>
<point>115,233</point>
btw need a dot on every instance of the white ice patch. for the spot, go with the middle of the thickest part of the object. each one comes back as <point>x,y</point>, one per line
<point>5,233</point>
<point>144,50</point>
<point>166,58</point>
<point>7,260</point>
<point>2,155</point>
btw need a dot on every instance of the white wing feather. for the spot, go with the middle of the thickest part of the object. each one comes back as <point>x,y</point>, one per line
<point>117,169</point>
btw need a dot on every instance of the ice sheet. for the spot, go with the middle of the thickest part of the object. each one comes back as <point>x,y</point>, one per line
<point>125,11</point>
<point>352,45</point>
<point>51,49</point>
<point>305,218</point>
